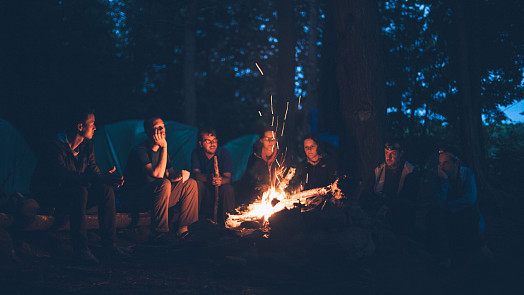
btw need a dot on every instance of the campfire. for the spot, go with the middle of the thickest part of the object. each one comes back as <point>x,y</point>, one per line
<point>275,199</point>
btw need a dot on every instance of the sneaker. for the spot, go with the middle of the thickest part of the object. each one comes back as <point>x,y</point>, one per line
<point>183,236</point>
<point>86,257</point>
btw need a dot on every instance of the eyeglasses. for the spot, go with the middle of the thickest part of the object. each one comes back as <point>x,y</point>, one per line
<point>209,141</point>
<point>270,139</point>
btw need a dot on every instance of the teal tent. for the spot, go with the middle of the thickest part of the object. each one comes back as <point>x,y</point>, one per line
<point>17,160</point>
<point>114,142</point>
<point>240,149</point>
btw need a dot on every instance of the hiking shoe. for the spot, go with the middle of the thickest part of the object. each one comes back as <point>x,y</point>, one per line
<point>85,257</point>
<point>183,236</point>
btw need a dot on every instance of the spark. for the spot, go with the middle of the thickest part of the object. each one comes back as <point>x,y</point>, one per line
<point>276,160</point>
<point>259,69</point>
<point>271,104</point>
<point>307,177</point>
<point>283,125</point>
<point>272,120</point>
<point>287,107</point>
<point>260,113</point>
<point>299,101</point>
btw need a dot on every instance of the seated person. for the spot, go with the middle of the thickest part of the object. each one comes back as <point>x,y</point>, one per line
<point>262,167</point>
<point>393,190</point>
<point>455,221</point>
<point>203,168</point>
<point>317,170</point>
<point>151,183</point>
<point>67,176</point>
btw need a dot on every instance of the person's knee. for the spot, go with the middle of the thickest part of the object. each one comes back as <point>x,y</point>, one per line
<point>191,184</point>
<point>163,185</point>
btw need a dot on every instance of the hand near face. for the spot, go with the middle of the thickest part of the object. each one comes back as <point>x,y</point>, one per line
<point>441,173</point>
<point>159,137</point>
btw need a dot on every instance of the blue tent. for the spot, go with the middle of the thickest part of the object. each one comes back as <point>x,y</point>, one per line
<point>114,142</point>
<point>18,161</point>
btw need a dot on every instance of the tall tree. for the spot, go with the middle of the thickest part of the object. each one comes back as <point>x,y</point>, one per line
<point>360,80</point>
<point>189,63</point>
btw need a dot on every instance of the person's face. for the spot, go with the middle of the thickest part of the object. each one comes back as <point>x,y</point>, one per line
<point>209,144</point>
<point>392,158</point>
<point>447,164</point>
<point>269,140</point>
<point>158,126</point>
<point>311,149</point>
<point>87,129</point>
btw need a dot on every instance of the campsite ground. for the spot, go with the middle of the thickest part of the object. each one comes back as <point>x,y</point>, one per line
<point>215,261</point>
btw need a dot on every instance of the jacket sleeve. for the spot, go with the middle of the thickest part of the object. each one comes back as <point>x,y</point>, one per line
<point>469,194</point>
<point>439,194</point>
<point>58,165</point>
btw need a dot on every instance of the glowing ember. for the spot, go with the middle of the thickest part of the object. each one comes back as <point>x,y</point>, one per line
<point>275,200</point>
<point>272,201</point>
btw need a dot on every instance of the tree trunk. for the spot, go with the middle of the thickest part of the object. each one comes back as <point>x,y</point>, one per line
<point>310,100</point>
<point>189,63</point>
<point>286,70</point>
<point>466,18</point>
<point>360,80</point>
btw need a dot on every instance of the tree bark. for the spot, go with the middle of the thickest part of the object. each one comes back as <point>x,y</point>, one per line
<point>189,63</point>
<point>286,70</point>
<point>360,81</point>
<point>310,100</point>
<point>466,18</point>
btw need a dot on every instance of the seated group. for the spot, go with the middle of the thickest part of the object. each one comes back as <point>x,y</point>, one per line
<point>67,177</point>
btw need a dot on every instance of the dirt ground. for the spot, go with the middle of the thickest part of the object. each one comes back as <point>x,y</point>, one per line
<point>218,261</point>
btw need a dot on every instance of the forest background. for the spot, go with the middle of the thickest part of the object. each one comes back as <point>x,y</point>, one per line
<point>431,72</point>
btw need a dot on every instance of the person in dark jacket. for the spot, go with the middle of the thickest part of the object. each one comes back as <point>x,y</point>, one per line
<point>317,170</point>
<point>262,167</point>
<point>393,191</point>
<point>67,176</point>
<point>454,220</point>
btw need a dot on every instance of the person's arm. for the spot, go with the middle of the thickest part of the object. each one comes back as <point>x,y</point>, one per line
<point>159,170</point>
<point>56,158</point>
<point>439,194</point>
<point>469,195</point>
<point>196,168</point>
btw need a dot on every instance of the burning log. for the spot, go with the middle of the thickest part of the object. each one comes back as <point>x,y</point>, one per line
<point>275,200</point>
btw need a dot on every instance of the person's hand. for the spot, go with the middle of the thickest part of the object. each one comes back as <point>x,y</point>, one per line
<point>181,175</point>
<point>112,178</point>
<point>159,137</point>
<point>441,173</point>
<point>217,181</point>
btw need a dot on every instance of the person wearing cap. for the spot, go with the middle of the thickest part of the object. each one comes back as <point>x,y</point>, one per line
<point>393,192</point>
<point>454,220</point>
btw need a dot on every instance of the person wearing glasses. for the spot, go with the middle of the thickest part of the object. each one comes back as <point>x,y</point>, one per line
<point>262,167</point>
<point>393,192</point>
<point>455,221</point>
<point>202,167</point>
<point>153,184</point>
